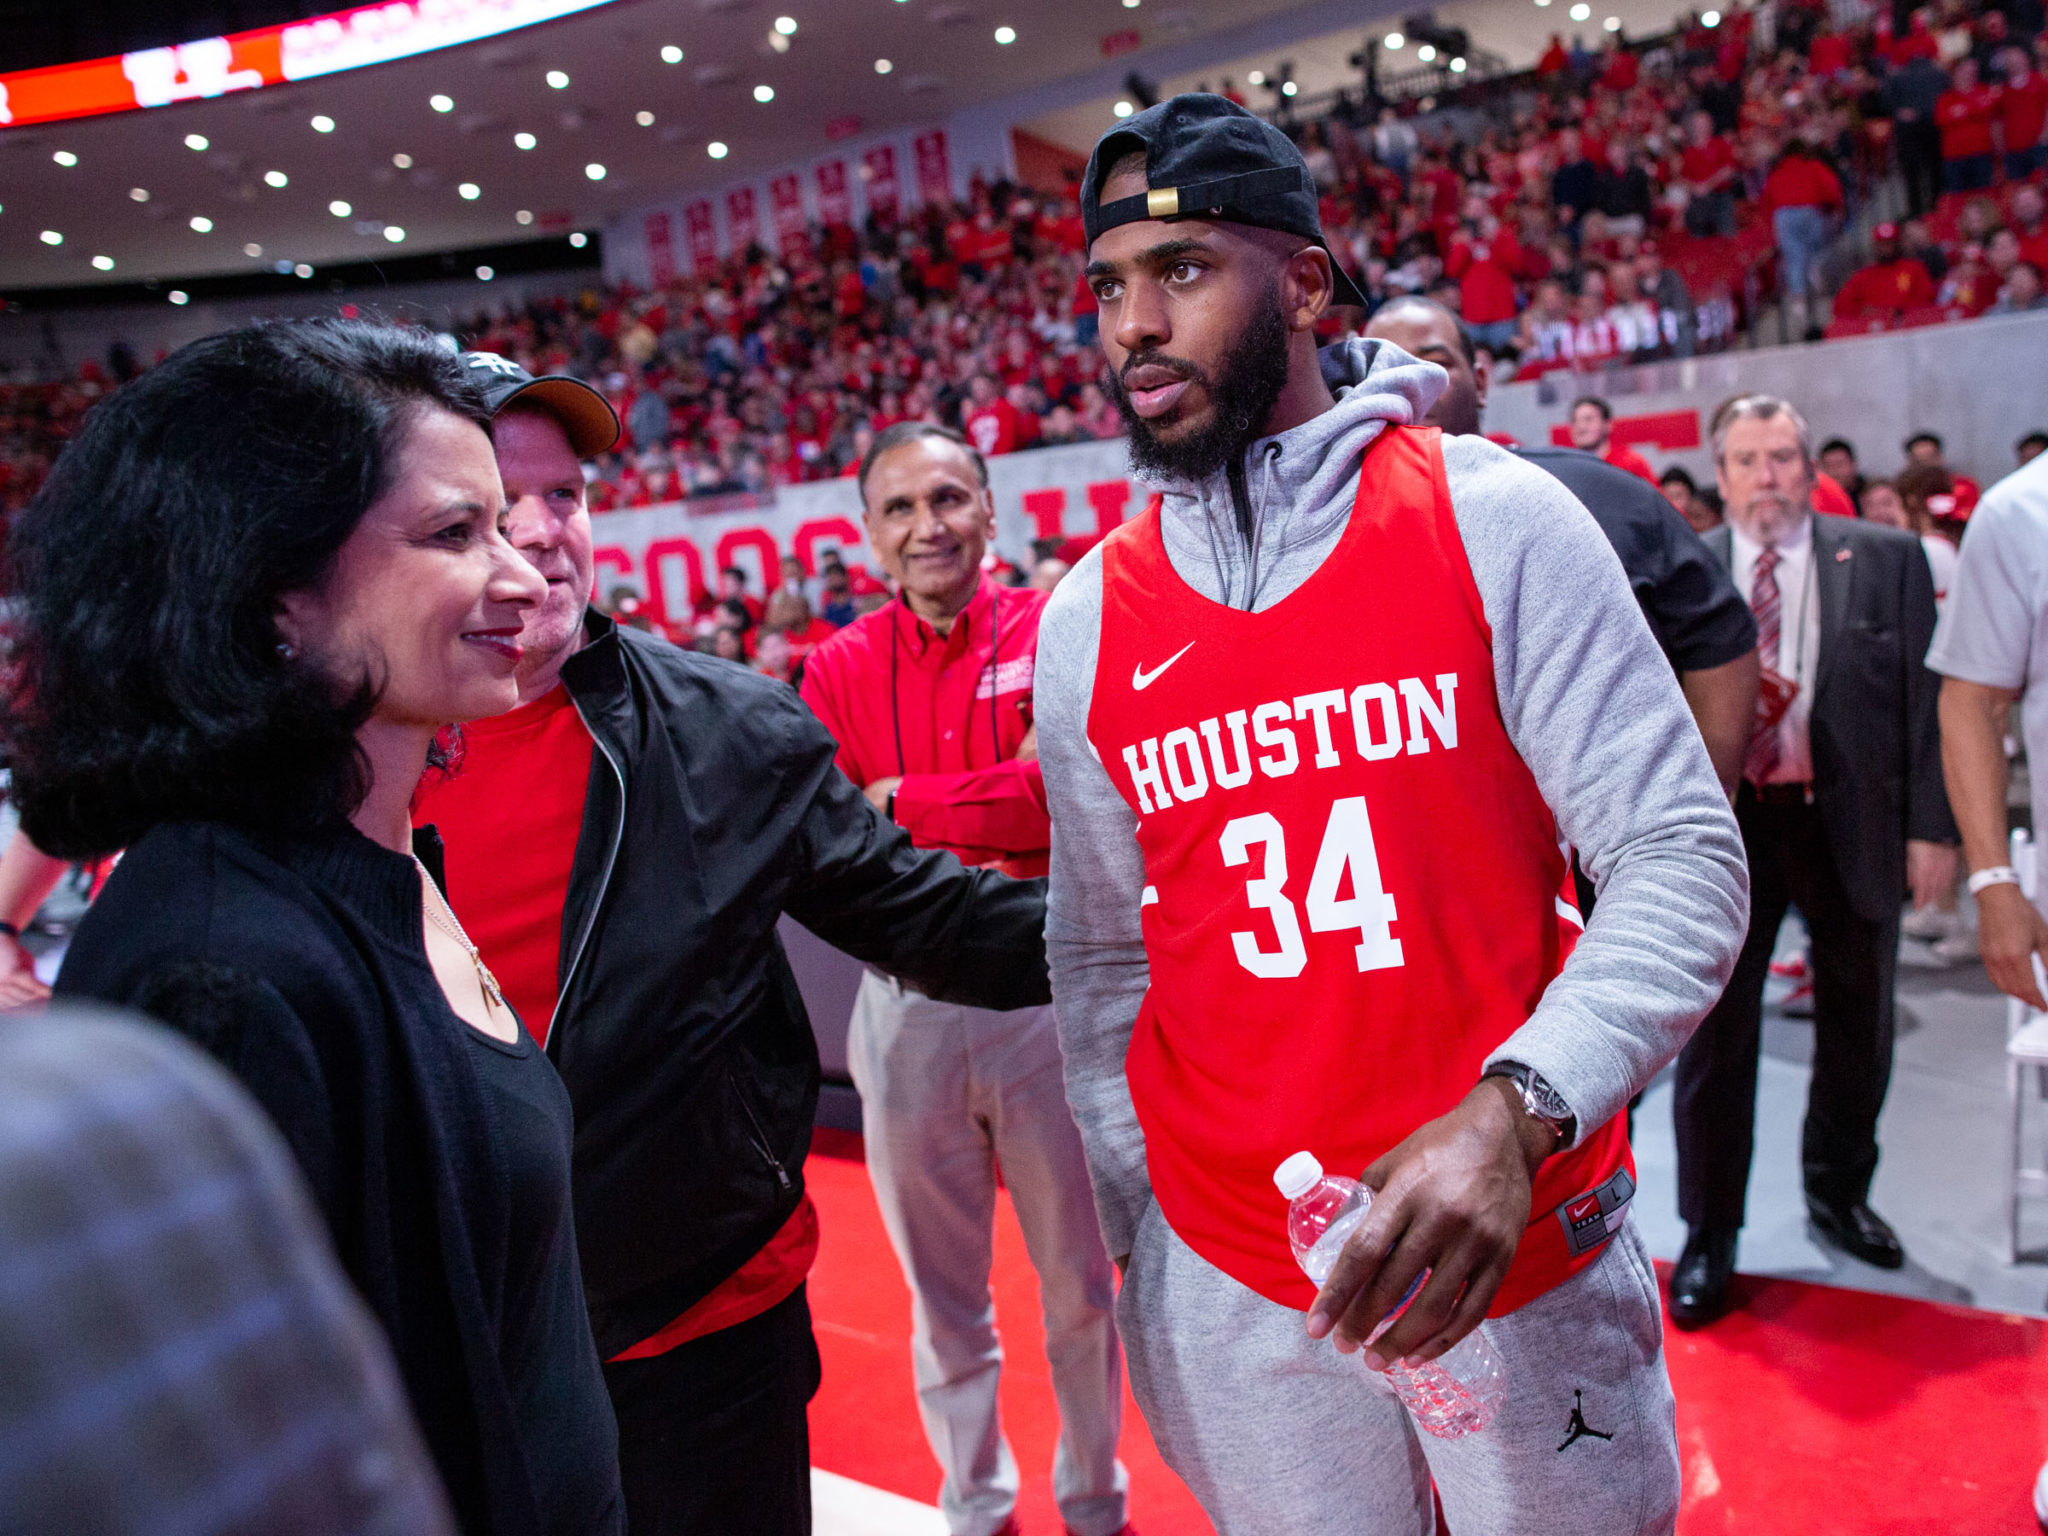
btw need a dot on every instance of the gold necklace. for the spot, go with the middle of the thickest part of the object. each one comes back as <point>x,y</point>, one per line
<point>486,982</point>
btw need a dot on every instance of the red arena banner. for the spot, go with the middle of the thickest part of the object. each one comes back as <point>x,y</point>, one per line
<point>742,223</point>
<point>835,203</point>
<point>934,174</point>
<point>878,170</point>
<point>786,198</point>
<point>213,66</point>
<point>661,250</point>
<point>700,232</point>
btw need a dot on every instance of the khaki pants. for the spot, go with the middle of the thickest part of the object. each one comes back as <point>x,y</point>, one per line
<point>946,1093</point>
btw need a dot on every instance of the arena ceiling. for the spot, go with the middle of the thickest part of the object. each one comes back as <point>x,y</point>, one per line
<point>620,104</point>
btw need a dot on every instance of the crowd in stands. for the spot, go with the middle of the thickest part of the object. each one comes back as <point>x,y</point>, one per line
<point>1624,204</point>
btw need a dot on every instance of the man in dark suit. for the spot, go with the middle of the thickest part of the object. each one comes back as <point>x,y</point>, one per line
<point>1841,807</point>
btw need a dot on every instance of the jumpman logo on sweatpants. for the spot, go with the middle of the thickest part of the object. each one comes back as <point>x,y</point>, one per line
<point>1577,1428</point>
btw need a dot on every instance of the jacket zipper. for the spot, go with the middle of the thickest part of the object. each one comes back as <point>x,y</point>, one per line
<point>604,880</point>
<point>760,1137</point>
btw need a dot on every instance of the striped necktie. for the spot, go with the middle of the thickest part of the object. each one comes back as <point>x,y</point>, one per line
<point>1764,602</point>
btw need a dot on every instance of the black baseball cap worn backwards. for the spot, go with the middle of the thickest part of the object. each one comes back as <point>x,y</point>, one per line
<point>587,418</point>
<point>1208,158</point>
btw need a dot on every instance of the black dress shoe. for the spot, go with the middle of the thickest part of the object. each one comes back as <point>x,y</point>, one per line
<point>1858,1231</point>
<point>1699,1283</point>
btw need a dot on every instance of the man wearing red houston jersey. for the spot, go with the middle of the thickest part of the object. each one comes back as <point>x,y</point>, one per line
<point>930,700</point>
<point>1310,894</point>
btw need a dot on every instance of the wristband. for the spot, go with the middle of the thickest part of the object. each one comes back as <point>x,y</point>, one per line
<point>1997,874</point>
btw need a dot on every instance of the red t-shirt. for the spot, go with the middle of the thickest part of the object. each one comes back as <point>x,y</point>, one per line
<point>993,428</point>
<point>1797,182</point>
<point>1885,288</point>
<point>1829,497</point>
<point>1702,162</point>
<point>1485,271</point>
<point>1630,460</point>
<point>1829,54</point>
<point>509,818</point>
<point>2023,109</point>
<point>1964,118</point>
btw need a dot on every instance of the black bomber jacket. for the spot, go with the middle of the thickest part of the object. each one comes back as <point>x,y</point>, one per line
<point>715,806</point>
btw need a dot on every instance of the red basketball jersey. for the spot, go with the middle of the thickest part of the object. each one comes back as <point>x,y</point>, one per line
<point>1354,891</point>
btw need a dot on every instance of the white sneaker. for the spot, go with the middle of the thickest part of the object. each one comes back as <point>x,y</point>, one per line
<point>1957,948</point>
<point>2041,1498</point>
<point>1928,923</point>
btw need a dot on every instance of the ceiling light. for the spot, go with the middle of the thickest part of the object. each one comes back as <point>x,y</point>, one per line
<point>1711,19</point>
<point>65,157</point>
<point>1457,66</point>
<point>1130,5</point>
<point>1581,12</point>
<point>786,25</point>
<point>275,178</point>
<point>441,103</point>
<point>1426,52</point>
<point>778,42</point>
<point>1257,77</point>
<point>202,223</point>
<point>340,209</point>
<point>764,94</point>
<point>594,171</point>
<point>322,123</point>
<point>195,141</point>
<point>716,150</point>
<point>393,233</point>
<point>671,54</point>
<point>179,296</point>
<point>252,249</point>
<point>579,239</point>
<point>484,274</point>
<point>1396,41</point>
<point>402,160</point>
<point>644,119</point>
<point>51,237</point>
<point>104,263</point>
<point>138,194</point>
<point>1006,35</point>
<point>558,80</point>
<point>524,140</point>
<point>1288,88</point>
<point>523,216</point>
<point>302,270</point>
<point>1124,109</point>
<point>469,191</point>
<point>1612,24</point>
<point>883,66</point>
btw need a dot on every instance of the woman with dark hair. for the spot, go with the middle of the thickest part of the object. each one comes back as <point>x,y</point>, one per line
<point>256,586</point>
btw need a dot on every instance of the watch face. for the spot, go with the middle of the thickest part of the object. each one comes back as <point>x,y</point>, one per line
<point>1544,1099</point>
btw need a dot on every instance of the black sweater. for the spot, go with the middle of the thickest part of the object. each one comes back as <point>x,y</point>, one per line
<point>301,964</point>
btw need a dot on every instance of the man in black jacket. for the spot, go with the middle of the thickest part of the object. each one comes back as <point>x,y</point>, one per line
<point>1841,807</point>
<point>619,848</point>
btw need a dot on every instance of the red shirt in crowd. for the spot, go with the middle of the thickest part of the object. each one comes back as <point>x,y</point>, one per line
<point>961,708</point>
<point>1964,118</point>
<point>2023,110</point>
<point>1628,459</point>
<point>1829,497</point>
<point>1798,181</point>
<point>1485,273</point>
<point>1885,288</point>
<point>1829,54</point>
<point>509,818</point>
<point>994,428</point>
<point>1710,166</point>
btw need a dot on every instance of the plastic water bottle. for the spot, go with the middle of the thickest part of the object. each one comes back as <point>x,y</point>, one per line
<point>1453,1395</point>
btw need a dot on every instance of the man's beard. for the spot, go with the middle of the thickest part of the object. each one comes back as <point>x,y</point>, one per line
<point>1241,397</point>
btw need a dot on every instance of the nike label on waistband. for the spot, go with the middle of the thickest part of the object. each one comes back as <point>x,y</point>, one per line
<point>1592,1218</point>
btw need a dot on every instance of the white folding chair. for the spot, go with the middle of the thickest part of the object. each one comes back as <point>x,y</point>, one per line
<point>2026,1045</point>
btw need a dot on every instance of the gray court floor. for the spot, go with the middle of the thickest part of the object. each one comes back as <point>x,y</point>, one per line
<point>1945,1142</point>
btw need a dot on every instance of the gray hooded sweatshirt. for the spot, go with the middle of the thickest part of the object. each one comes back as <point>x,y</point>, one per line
<point>1590,704</point>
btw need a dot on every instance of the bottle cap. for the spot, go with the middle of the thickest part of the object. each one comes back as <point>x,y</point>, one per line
<point>1298,1175</point>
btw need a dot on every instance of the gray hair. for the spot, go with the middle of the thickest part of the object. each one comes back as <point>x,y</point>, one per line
<point>1759,408</point>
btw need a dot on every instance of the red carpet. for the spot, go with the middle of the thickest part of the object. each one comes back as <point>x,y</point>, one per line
<point>1814,1411</point>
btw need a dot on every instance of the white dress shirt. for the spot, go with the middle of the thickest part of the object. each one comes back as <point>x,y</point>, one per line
<point>1798,658</point>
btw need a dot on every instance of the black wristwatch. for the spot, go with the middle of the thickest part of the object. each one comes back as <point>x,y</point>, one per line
<point>889,809</point>
<point>1540,1101</point>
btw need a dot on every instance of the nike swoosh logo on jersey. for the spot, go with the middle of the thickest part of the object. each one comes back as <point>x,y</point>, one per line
<point>1141,679</point>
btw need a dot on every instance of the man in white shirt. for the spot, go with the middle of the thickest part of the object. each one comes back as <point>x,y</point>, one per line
<point>1841,805</point>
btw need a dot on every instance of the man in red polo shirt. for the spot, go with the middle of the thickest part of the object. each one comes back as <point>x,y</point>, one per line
<point>1592,429</point>
<point>930,701</point>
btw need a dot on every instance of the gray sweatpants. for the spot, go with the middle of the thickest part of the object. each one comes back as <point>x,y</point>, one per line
<point>1279,1435</point>
<point>947,1092</point>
